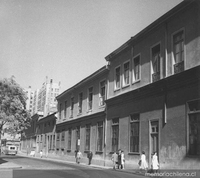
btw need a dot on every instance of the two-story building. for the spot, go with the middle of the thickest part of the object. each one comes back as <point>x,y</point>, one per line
<point>28,137</point>
<point>81,118</point>
<point>153,99</point>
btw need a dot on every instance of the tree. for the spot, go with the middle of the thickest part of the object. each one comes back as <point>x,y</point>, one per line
<point>13,113</point>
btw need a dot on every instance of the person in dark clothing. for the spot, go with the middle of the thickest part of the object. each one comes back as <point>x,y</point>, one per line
<point>119,160</point>
<point>89,156</point>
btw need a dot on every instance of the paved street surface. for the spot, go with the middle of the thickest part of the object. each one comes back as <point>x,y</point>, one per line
<point>41,168</point>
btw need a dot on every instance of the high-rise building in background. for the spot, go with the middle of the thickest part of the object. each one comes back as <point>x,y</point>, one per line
<point>46,97</point>
<point>43,99</point>
<point>29,101</point>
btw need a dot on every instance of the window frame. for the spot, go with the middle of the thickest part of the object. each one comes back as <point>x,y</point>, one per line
<point>90,102</point>
<point>134,80</point>
<point>115,125</point>
<point>159,62</point>
<point>101,97</point>
<point>115,76</point>
<point>124,72</point>
<point>99,147</point>
<point>139,132</point>
<point>87,137</point>
<point>65,110</point>
<point>71,106</point>
<point>173,46</point>
<point>80,103</point>
<point>69,141</point>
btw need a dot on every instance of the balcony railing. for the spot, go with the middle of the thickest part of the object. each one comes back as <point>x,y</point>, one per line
<point>179,67</point>
<point>156,76</point>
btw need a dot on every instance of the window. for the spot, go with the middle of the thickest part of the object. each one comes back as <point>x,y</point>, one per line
<point>87,137</point>
<point>72,106</point>
<point>100,136</point>
<point>117,78</point>
<point>90,98</point>
<point>80,101</point>
<point>54,142</point>
<point>60,111</point>
<point>102,92</point>
<point>194,127</point>
<point>65,111</point>
<point>156,63</point>
<point>178,51</point>
<point>115,134</point>
<point>63,135</point>
<point>136,68</point>
<point>58,135</point>
<point>69,139</point>
<point>126,78</point>
<point>78,138</point>
<point>134,133</point>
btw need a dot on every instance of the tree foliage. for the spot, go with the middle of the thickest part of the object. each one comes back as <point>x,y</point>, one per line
<point>13,113</point>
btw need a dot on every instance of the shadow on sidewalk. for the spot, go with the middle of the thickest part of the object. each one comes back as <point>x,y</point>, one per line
<point>2,161</point>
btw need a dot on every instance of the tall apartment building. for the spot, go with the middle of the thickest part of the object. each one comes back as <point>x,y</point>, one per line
<point>46,97</point>
<point>30,96</point>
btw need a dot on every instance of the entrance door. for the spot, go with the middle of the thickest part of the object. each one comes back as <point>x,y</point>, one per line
<point>154,138</point>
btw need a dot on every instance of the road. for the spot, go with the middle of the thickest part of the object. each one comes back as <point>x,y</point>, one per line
<point>40,168</point>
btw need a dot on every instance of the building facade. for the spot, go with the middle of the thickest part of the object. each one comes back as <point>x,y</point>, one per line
<point>154,91</point>
<point>146,99</point>
<point>81,118</point>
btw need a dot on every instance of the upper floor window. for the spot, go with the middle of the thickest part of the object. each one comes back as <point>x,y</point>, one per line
<point>134,133</point>
<point>80,101</point>
<point>90,98</point>
<point>60,111</point>
<point>65,111</point>
<point>126,77</point>
<point>178,51</point>
<point>102,92</point>
<point>72,106</point>
<point>117,78</point>
<point>155,51</point>
<point>136,68</point>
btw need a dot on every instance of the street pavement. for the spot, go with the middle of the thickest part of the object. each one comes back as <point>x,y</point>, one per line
<point>174,173</point>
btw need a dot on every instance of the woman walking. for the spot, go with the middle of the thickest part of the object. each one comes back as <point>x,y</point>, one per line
<point>155,164</point>
<point>143,163</point>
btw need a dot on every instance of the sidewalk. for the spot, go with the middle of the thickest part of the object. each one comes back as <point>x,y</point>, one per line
<point>9,165</point>
<point>57,159</point>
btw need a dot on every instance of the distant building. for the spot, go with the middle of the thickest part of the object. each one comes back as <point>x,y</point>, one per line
<point>47,97</point>
<point>29,101</point>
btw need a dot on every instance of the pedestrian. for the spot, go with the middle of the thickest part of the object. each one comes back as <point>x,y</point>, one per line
<point>119,159</point>
<point>122,160</point>
<point>89,156</point>
<point>143,163</point>
<point>78,157</point>
<point>41,153</point>
<point>155,163</point>
<point>76,151</point>
<point>115,160</point>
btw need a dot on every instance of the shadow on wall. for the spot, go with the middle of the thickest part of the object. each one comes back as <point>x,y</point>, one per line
<point>175,157</point>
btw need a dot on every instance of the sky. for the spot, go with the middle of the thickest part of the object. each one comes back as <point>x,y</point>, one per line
<point>67,40</point>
